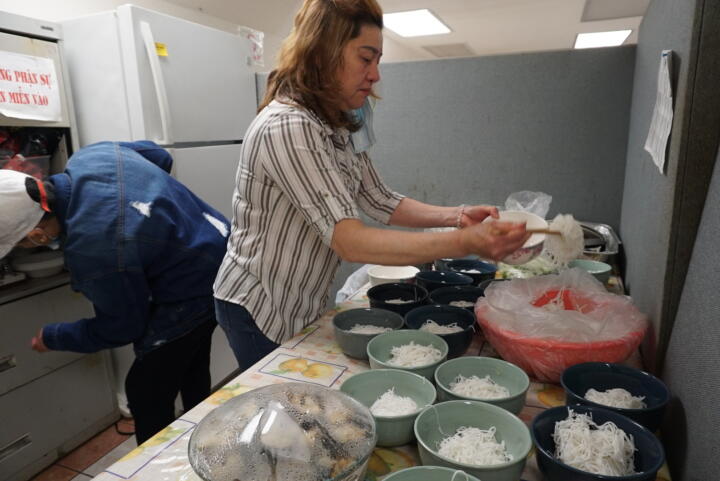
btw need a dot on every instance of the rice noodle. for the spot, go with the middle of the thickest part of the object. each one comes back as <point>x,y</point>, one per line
<point>390,404</point>
<point>368,329</point>
<point>561,249</point>
<point>474,446</point>
<point>480,388</point>
<point>414,355</point>
<point>616,397</point>
<point>435,328</point>
<point>462,303</point>
<point>584,445</point>
<point>399,301</point>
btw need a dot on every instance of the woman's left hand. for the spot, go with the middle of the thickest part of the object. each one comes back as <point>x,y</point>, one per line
<point>474,214</point>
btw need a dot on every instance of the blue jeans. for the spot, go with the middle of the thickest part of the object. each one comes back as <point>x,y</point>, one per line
<point>248,342</point>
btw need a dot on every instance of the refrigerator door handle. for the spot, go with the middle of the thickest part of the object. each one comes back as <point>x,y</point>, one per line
<point>158,82</point>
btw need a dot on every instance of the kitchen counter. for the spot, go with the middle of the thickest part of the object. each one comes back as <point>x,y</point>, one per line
<point>164,457</point>
<point>29,287</point>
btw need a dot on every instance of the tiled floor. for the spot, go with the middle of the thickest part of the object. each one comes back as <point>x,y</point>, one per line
<point>92,457</point>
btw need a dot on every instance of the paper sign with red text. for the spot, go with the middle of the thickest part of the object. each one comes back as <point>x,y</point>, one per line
<point>29,87</point>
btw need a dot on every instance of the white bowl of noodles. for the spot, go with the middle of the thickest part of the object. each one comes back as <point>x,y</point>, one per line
<point>534,245</point>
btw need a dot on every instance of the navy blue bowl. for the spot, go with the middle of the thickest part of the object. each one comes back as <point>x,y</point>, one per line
<point>649,454</point>
<point>577,379</point>
<point>432,280</point>
<point>485,270</point>
<point>380,294</point>
<point>485,284</point>
<point>458,342</point>
<point>446,295</point>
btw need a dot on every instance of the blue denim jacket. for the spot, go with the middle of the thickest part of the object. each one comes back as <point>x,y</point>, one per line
<point>138,244</point>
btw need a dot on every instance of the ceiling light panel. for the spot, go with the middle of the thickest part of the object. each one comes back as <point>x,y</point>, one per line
<point>414,23</point>
<point>601,39</point>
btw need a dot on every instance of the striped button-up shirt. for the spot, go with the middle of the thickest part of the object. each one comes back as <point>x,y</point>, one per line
<point>297,178</point>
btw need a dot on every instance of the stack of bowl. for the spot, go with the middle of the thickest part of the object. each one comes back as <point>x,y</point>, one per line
<point>391,274</point>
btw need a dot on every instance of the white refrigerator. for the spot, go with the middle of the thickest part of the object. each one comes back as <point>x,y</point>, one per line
<point>143,75</point>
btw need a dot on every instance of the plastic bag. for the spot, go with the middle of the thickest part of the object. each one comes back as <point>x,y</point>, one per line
<point>547,323</point>
<point>537,203</point>
<point>353,284</point>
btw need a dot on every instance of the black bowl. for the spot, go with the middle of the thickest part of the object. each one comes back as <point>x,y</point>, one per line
<point>380,294</point>
<point>446,295</point>
<point>577,379</point>
<point>354,344</point>
<point>432,280</point>
<point>485,284</point>
<point>458,342</point>
<point>649,454</point>
<point>482,271</point>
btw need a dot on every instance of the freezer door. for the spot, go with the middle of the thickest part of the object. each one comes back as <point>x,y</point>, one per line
<point>186,82</point>
<point>209,172</point>
<point>38,48</point>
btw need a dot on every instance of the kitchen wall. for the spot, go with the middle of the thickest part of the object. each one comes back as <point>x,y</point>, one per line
<point>661,212</point>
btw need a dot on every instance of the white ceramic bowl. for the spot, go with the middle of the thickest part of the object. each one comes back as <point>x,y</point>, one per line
<point>40,264</point>
<point>389,274</point>
<point>534,245</point>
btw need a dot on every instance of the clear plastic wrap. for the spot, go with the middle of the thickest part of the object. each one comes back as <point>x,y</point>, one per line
<point>547,323</point>
<point>284,432</point>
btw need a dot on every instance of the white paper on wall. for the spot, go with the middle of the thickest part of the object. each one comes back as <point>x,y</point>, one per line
<point>661,124</point>
<point>29,87</point>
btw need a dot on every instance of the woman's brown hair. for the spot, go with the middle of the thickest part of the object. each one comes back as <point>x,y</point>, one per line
<point>311,54</point>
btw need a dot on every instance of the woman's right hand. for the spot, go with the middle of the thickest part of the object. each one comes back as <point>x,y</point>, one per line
<point>494,240</point>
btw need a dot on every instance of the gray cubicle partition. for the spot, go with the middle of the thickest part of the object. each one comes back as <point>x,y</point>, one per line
<point>690,432</point>
<point>478,129</point>
<point>660,212</point>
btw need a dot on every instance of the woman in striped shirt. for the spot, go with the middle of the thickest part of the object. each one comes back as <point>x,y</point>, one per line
<point>302,181</point>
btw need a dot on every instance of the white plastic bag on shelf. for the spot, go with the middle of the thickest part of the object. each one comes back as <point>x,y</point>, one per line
<point>537,203</point>
<point>353,283</point>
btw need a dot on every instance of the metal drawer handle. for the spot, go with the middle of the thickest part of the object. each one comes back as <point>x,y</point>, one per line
<point>15,446</point>
<point>7,362</point>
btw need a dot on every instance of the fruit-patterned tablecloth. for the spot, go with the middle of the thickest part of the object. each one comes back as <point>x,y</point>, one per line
<point>313,357</point>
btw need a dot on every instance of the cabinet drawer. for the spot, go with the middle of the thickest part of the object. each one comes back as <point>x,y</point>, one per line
<point>38,418</point>
<point>21,320</point>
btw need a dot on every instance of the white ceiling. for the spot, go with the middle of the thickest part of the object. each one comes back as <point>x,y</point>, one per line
<point>479,27</point>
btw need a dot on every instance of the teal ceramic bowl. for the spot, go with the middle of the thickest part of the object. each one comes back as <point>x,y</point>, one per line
<point>502,372</point>
<point>380,347</point>
<point>354,344</point>
<point>448,416</point>
<point>366,387</point>
<point>429,473</point>
<point>599,270</point>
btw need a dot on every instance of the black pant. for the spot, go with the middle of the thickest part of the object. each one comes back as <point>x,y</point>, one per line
<point>154,380</point>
